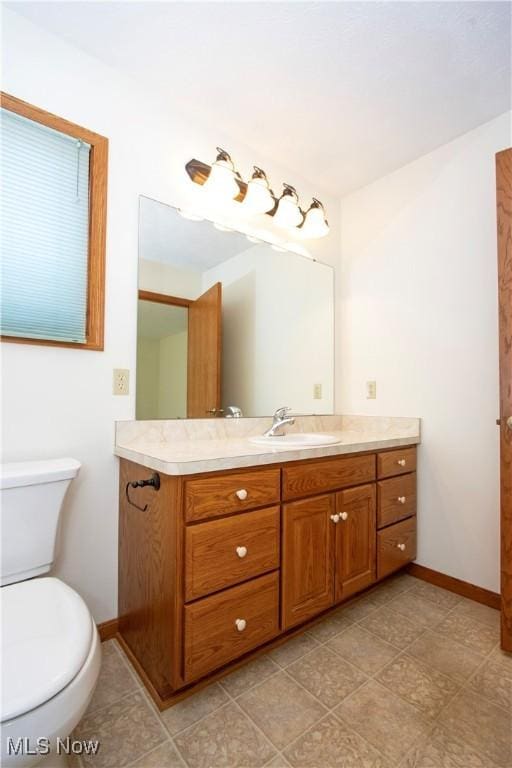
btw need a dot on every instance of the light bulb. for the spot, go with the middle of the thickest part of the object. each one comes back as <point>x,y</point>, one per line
<point>258,198</point>
<point>221,182</point>
<point>315,224</point>
<point>288,213</point>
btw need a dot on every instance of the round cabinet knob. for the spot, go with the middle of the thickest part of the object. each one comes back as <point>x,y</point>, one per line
<point>401,462</point>
<point>240,624</point>
<point>401,499</point>
<point>509,422</point>
<point>242,494</point>
<point>241,551</point>
<point>344,515</point>
<point>401,547</point>
<point>335,518</point>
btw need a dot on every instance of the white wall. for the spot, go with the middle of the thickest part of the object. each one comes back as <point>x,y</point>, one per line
<point>278,331</point>
<point>172,377</point>
<point>418,294</point>
<point>59,402</point>
<point>164,278</point>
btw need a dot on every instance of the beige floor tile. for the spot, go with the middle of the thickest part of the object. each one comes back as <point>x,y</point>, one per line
<point>224,739</point>
<point>465,630</point>
<point>251,674</point>
<point>504,660</point>
<point>281,708</point>
<point>435,594</point>
<point>364,650</point>
<point>479,612</point>
<point>125,730</point>
<point>419,609</point>
<point>388,722</point>
<point>115,680</point>
<point>424,687</point>
<point>188,711</point>
<point>481,725</point>
<point>293,649</point>
<point>491,683</point>
<point>279,761</point>
<point>329,743</point>
<point>164,756</point>
<point>330,626</point>
<point>445,655</point>
<point>392,627</point>
<point>397,585</point>
<point>363,606</point>
<point>326,676</point>
<point>440,750</point>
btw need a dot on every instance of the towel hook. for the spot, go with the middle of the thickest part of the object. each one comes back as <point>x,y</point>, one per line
<point>153,481</point>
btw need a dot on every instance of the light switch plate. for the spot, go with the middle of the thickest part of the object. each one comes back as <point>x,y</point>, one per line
<point>317,392</point>
<point>371,390</point>
<point>121,381</point>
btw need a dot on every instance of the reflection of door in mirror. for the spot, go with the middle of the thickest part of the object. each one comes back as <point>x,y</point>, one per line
<point>178,355</point>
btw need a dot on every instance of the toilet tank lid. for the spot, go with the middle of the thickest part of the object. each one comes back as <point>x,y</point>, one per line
<point>18,473</point>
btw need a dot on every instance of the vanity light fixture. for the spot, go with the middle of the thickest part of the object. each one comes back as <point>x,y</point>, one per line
<point>226,184</point>
<point>288,213</point>
<point>259,197</point>
<point>221,182</point>
<point>315,224</point>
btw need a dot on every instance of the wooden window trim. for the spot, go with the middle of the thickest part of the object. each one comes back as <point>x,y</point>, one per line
<point>98,165</point>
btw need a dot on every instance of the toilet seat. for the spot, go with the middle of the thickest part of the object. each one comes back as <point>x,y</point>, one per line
<point>47,633</point>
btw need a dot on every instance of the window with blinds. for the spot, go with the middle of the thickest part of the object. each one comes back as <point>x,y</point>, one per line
<point>50,287</point>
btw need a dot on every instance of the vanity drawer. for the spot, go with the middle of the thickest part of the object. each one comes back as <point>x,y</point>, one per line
<point>323,476</point>
<point>224,552</point>
<point>223,627</point>
<point>396,546</point>
<point>396,499</point>
<point>399,462</point>
<point>218,495</point>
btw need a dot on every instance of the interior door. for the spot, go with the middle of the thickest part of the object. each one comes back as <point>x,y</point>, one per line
<point>204,354</point>
<point>504,215</point>
<point>308,558</point>
<point>356,532</point>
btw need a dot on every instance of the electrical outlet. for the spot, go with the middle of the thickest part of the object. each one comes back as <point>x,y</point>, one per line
<point>121,381</point>
<point>371,390</point>
<point>317,392</point>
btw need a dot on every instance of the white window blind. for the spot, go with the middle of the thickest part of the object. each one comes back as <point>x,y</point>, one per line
<point>44,232</point>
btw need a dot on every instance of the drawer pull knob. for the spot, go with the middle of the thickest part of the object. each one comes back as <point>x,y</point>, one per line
<point>335,518</point>
<point>401,547</point>
<point>401,462</point>
<point>242,494</point>
<point>344,515</point>
<point>401,499</point>
<point>240,624</point>
<point>241,551</point>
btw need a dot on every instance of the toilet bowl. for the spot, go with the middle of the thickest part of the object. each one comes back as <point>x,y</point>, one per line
<point>50,646</point>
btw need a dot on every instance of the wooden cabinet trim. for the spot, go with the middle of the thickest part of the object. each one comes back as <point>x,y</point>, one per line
<point>301,481</point>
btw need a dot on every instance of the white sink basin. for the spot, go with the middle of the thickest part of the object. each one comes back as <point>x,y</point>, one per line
<point>296,440</point>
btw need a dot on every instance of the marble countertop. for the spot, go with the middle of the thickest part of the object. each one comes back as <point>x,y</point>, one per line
<point>190,446</point>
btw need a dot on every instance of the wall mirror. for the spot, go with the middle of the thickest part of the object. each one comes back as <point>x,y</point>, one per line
<point>227,323</point>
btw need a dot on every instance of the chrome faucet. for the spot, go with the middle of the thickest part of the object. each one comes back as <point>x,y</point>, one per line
<point>279,420</point>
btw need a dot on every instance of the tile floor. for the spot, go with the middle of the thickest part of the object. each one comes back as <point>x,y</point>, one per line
<point>408,676</point>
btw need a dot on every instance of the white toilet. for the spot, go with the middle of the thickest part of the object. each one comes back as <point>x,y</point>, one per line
<point>50,648</point>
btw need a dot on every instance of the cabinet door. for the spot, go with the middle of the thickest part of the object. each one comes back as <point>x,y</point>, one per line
<point>355,540</point>
<point>308,558</point>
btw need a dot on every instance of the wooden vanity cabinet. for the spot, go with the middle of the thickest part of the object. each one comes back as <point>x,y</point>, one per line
<point>213,567</point>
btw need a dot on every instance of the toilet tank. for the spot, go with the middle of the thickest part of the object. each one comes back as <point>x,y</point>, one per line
<point>31,496</point>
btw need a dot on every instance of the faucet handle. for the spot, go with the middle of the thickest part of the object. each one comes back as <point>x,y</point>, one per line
<point>280,413</point>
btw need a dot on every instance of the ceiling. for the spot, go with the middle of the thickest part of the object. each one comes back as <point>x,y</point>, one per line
<point>340,92</point>
<point>165,236</point>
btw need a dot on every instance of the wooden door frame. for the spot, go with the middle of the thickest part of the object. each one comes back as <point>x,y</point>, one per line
<point>504,224</point>
<point>164,298</point>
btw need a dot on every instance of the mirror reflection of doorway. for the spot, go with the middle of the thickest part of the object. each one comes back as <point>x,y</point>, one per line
<point>179,355</point>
